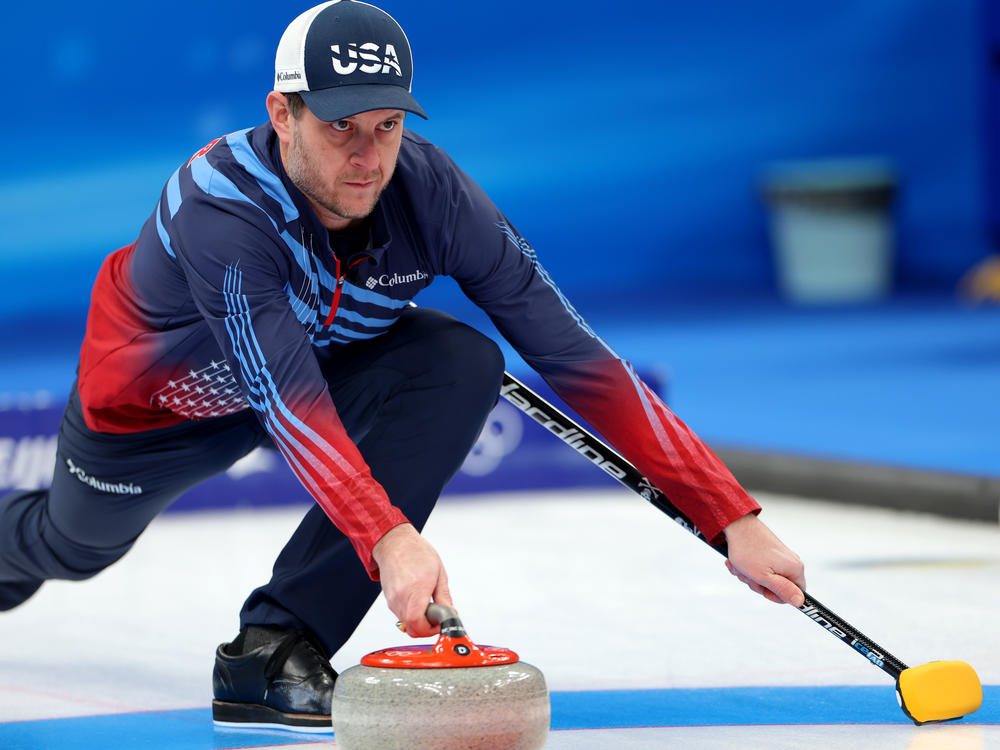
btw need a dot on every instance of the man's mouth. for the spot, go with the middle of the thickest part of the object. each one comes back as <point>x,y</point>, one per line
<point>361,184</point>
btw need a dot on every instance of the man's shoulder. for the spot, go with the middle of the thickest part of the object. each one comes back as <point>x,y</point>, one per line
<point>236,170</point>
<point>245,151</point>
<point>227,199</point>
<point>419,155</point>
<point>415,140</point>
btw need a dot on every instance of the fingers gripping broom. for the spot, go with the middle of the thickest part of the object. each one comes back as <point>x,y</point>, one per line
<point>933,692</point>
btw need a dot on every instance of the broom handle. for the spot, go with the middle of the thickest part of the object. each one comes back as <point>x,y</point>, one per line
<point>613,463</point>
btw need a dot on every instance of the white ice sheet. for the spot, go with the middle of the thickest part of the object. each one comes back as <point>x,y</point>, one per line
<point>597,589</point>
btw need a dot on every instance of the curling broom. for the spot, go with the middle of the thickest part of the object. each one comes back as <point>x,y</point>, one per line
<point>933,692</point>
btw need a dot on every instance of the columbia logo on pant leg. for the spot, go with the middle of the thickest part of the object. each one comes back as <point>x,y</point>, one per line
<point>117,488</point>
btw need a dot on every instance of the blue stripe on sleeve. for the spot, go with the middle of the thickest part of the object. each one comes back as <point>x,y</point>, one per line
<point>236,323</point>
<point>365,320</point>
<point>174,193</point>
<point>269,182</point>
<point>360,294</point>
<point>213,182</point>
<point>248,350</point>
<point>306,315</point>
<point>347,333</point>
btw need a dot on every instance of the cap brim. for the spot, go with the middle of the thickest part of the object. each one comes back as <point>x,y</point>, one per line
<point>339,102</point>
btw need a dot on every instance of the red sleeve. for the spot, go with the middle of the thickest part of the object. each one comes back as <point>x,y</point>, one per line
<point>630,416</point>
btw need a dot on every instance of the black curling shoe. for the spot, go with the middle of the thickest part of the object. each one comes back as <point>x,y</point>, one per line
<point>273,678</point>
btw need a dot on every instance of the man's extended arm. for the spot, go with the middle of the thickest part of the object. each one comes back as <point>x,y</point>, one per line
<point>499,270</point>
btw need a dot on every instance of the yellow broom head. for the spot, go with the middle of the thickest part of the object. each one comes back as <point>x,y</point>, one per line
<point>939,691</point>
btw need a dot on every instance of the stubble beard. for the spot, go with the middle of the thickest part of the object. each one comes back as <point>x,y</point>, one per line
<point>303,171</point>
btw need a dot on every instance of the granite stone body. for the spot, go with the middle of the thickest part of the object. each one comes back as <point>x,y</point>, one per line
<point>504,707</point>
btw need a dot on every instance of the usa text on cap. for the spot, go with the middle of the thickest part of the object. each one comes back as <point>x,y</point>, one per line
<point>345,57</point>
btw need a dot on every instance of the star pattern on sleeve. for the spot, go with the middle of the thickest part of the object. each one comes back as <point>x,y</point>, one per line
<point>211,391</point>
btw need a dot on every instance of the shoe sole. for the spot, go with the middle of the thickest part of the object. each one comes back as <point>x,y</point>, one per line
<point>254,716</point>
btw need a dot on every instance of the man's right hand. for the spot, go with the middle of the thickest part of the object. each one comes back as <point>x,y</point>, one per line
<point>412,575</point>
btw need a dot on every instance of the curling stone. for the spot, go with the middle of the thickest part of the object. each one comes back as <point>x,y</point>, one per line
<point>454,695</point>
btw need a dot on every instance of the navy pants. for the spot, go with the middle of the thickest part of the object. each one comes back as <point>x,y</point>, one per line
<point>413,400</point>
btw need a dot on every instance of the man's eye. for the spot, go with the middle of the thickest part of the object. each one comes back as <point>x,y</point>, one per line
<point>341,125</point>
<point>388,125</point>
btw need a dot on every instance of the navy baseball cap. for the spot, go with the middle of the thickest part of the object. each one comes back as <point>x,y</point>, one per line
<point>345,57</point>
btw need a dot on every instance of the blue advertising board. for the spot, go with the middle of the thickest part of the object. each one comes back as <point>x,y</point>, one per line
<point>512,453</point>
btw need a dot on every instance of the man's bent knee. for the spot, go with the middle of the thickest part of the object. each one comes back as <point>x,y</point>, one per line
<point>36,550</point>
<point>75,561</point>
<point>467,357</point>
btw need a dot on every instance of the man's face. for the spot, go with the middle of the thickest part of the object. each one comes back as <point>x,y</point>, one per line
<point>342,167</point>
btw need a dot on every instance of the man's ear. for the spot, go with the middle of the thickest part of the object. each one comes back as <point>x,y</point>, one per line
<point>280,114</point>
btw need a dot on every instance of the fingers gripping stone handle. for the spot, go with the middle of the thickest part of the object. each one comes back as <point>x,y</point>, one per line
<point>447,618</point>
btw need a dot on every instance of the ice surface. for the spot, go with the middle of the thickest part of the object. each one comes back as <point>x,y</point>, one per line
<point>597,589</point>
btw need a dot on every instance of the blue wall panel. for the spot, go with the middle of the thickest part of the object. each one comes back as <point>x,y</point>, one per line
<point>626,143</point>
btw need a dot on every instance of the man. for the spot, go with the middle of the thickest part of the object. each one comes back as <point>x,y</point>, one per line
<point>251,310</point>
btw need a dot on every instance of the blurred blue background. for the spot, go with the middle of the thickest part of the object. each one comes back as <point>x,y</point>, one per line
<point>627,142</point>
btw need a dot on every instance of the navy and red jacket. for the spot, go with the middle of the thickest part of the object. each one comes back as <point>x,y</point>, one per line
<point>232,287</point>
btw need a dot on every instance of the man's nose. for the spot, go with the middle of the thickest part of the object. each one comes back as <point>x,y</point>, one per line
<point>364,154</point>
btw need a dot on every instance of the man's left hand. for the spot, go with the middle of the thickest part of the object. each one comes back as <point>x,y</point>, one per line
<point>759,559</point>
